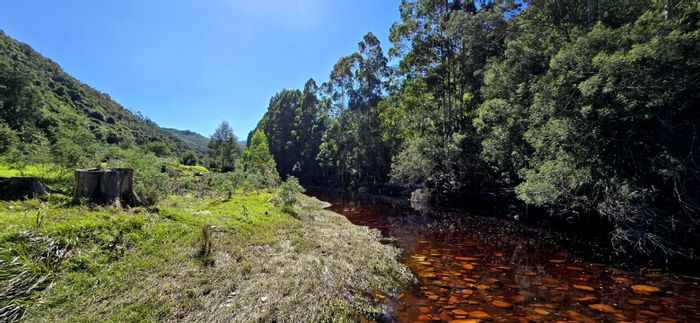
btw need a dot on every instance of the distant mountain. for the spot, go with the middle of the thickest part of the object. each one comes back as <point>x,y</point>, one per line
<point>195,140</point>
<point>39,101</point>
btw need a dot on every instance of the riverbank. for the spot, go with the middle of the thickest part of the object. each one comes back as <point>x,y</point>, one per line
<point>194,259</point>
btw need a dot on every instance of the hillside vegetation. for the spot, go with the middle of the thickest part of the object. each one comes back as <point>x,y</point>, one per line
<point>42,107</point>
<point>192,138</point>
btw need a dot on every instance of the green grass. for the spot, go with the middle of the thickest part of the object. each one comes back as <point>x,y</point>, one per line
<point>108,264</point>
<point>110,250</point>
<point>49,174</point>
<point>196,168</point>
<point>43,171</point>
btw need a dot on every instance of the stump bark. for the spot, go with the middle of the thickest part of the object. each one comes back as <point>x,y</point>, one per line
<point>17,188</point>
<point>106,186</point>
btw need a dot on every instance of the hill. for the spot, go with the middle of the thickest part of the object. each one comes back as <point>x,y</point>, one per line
<point>41,104</point>
<point>195,140</point>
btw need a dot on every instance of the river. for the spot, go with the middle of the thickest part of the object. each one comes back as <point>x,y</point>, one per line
<point>474,267</point>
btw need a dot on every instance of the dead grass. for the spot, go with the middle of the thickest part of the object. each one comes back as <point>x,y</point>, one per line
<point>326,269</point>
<point>266,266</point>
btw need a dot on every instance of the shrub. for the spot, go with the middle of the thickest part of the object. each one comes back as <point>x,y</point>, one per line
<point>149,181</point>
<point>289,190</point>
<point>226,183</point>
<point>8,137</point>
<point>159,148</point>
<point>189,159</point>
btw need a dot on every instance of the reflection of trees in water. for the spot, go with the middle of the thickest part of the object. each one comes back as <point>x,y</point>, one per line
<point>520,264</point>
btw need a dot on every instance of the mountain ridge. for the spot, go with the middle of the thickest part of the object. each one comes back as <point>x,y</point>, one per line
<point>40,100</point>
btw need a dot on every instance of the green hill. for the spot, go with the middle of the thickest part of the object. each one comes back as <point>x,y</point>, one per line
<point>195,140</point>
<point>40,104</point>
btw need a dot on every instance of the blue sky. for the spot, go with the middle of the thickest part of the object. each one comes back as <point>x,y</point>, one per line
<point>189,64</point>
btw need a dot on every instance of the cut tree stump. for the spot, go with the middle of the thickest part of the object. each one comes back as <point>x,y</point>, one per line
<point>106,186</point>
<point>17,188</point>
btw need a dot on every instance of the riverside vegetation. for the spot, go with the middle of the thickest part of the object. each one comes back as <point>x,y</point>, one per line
<point>582,112</point>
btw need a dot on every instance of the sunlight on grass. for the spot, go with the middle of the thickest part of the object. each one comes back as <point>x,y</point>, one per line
<point>104,263</point>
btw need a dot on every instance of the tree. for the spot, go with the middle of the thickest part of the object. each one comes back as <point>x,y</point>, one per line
<point>258,163</point>
<point>224,148</point>
<point>189,159</point>
<point>8,138</point>
<point>584,109</point>
<point>355,88</point>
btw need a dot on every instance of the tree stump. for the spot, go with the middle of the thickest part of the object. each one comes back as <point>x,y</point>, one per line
<point>106,186</point>
<point>17,188</point>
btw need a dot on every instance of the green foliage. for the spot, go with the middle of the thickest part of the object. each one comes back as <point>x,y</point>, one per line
<point>82,252</point>
<point>258,164</point>
<point>189,159</point>
<point>289,190</point>
<point>582,109</point>
<point>294,124</point>
<point>224,149</point>
<point>590,131</point>
<point>227,183</point>
<point>8,138</point>
<point>151,180</point>
<point>159,148</point>
<point>414,164</point>
<point>195,140</point>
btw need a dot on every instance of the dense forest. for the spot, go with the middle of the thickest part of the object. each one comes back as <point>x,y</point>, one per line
<point>582,109</point>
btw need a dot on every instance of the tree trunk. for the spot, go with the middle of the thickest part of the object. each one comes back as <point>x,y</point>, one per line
<point>106,186</point>
<point>17,188</point>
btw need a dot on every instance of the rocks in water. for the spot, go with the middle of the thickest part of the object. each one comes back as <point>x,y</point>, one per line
<point>645,289</point>
<point>602,308</point>
<point>541,311</point>
<point>586,299</point>
<point>501,304</point>
<point>17,188</point>
<point>479,315</point>
<point>583,287</point>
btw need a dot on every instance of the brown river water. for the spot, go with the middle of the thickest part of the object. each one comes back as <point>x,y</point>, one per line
<point>487,268</point>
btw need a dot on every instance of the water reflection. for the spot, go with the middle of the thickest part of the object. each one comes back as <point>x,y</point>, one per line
<point>486,268</point>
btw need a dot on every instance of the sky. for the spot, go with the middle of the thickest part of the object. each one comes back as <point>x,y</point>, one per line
<point>190,64</point>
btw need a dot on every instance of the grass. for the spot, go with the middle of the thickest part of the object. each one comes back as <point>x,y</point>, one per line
<point>194,259</point>
<point>195,168</point>
<point>49,174</point>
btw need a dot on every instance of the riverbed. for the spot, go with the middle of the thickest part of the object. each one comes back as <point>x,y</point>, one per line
<point>477,267</point>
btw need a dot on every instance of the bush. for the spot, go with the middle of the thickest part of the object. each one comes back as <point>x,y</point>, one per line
<point>189,159</point>
<point>149,182</point>
<point>159,148</point>
<point>289,190</point>
<point>8,138</point>
<point>226,183</point>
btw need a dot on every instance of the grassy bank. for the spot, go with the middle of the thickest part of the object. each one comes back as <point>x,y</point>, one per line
<point>192,259</point>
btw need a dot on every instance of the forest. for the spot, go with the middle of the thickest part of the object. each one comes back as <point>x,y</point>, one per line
<point>579,109</point>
